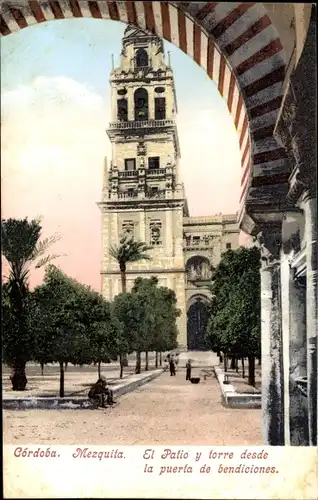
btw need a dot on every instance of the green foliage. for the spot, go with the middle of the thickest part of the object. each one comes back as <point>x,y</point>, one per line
<point>73,323</point>
<point>129,250</point>
<point>148,315</point>
<point>234,324</point>
<point>21,247</point>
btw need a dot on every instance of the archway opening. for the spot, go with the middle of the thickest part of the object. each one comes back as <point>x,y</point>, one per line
<point>198,270</point>
<point>189,34</point>
<point>142,59</point>
<point>141,104</point>
<point>197,318</point>
<point>236,44</point>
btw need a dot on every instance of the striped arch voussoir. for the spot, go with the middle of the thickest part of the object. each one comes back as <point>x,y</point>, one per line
<point>235,44</point>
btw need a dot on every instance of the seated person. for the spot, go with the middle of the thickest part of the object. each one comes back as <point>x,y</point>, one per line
<point>99,391</point>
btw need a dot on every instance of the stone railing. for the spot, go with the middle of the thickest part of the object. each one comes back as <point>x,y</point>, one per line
<point>159,195</point>
<point>189,248</point>
<point>155,172</point>
<point>127,195</point>
<point>140,124</point>
<point>128,173</point>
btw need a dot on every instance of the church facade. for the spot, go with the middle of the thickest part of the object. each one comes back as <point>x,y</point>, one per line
<point>143,194</point>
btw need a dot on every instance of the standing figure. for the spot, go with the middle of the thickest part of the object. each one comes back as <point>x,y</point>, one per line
<point>99,391</point>
<point>177,359</point>
<point>172,367</point>
<point>188,369</point>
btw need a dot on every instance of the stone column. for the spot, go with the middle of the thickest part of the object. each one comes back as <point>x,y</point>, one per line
<point>151,103</point>
<point>131,104</point>
<point>298,406</point>
<point>294,331</point>
<point>271,331</point>
<point>310,209</point>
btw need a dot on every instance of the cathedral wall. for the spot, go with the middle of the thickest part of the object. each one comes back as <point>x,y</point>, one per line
<point>168,255</point>
<point>230,238</point>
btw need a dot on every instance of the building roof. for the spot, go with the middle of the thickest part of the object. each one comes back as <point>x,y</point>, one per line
<point>134,32</point>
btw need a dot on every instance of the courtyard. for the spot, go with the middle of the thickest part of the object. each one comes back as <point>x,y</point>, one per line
<point>166,410</point>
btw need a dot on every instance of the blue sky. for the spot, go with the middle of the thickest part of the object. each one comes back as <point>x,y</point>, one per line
<point>81,49</point>
<point>55,107</point>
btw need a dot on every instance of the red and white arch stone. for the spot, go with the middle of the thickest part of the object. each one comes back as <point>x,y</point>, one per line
<point>235,43</point>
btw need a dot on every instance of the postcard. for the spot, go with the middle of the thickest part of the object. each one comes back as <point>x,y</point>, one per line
<point>159,250</point>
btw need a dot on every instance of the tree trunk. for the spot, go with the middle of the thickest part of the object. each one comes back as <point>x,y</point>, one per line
<point>147,364</point>
<point>123,277</point>
<point>125,359</point>
<point>121,366</point>
<point>232,363</point>
<point>259,361</point>
<point>236,364</point>
<point>18,377</point>
<point>138,362</point>
<point>160,358</point>
<point>251,371</point>
<point>99,374</point>
<point>66,363</point>
<point>42,368</point>
<point>61,379</point>
<point>225,363</point>
<point>243,367</point>
<point>221,358</point>
<point>156,359</point>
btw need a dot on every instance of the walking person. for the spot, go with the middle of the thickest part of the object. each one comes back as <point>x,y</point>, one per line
<point>172,367</point>
<point>188,369</point>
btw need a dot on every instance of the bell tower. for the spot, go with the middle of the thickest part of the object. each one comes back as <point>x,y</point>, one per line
<point>142,191</point>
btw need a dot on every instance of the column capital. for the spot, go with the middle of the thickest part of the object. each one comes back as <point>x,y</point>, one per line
<point>270,241</point>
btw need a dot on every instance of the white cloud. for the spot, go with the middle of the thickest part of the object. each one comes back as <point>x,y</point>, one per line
<point>49,123</point>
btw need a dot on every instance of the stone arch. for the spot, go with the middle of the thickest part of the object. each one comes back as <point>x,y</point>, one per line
<point>198,267</point>
<point>122,109</point>
<point>194,298</point>
<point>197,316</point>
<point>236,44</point>
<point>142,59</point>
<point>141,104</point>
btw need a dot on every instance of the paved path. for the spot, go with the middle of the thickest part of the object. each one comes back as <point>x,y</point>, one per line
<point>167,410</point>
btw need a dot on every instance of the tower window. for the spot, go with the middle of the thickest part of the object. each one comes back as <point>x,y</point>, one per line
<point>122,110</point>
<point>155,232</point>
<point>153,191</point>
<point>141,104</point>
<point>196,240</point>
<point>228,246</point>
<point>130,164</point>
<point>160,108</point>
<point>153,162</point>
<point>142,60</point>
<point>128,228</point>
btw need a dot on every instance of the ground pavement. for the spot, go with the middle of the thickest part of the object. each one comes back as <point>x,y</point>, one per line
<point>168,410</point>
